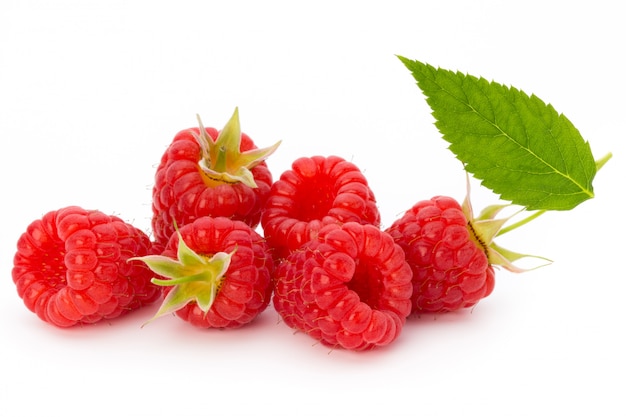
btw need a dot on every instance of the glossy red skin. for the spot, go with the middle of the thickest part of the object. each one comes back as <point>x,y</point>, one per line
<point>350,287</point>
<point>71,267</point>
<point>451,271</point>
<point>247,287</point>
<point>180,195</point>
<point>316,191</point>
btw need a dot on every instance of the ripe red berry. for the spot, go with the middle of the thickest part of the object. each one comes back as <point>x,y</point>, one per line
<point>71,267</point>
<point>350,287</point>
<point>316,191</point>
<point>216,273</point>
<point>451,269</point>
<point>204,172</point>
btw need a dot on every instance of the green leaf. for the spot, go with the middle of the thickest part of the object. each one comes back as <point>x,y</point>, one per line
<point>518,146</point>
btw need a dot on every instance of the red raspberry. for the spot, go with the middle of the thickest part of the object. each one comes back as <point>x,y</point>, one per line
<point>217,273</point>
<point>315,192</point>
<point>70,267</point>
<point>204,172</point>
<point>350,287</point>
<point>450,266</point>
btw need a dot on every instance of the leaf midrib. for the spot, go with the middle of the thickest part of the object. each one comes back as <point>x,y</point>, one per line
<point>511,139</point>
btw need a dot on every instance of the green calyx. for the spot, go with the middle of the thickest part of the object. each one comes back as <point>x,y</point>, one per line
<point>222,161</point>
<point>486,227</point>
<point>194,277</point>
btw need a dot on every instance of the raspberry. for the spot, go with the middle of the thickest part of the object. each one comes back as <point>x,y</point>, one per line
<point>206,172</point>
<point>71,267</point>
<point>316,191</point>
<point>350,287</point>
<point>451,269</point>
<point>217,273</point>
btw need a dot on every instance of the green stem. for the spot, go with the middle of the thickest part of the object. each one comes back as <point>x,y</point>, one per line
<point>521,222</point>
<point>600,162</point>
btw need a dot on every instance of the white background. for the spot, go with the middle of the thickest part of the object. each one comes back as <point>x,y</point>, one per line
<point>91,94</point>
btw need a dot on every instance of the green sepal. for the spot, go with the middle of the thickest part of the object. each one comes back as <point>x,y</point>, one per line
<point>500,256</point>
<point>484,229</point>
<point>490,212</point>
<point>222,160</point>
<point>194,277</point>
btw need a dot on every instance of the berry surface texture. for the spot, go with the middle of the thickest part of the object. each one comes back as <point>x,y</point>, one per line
<point>316,191</point>
<point>71,267</point>
<point>349,287</point>
<point>450,266</point>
